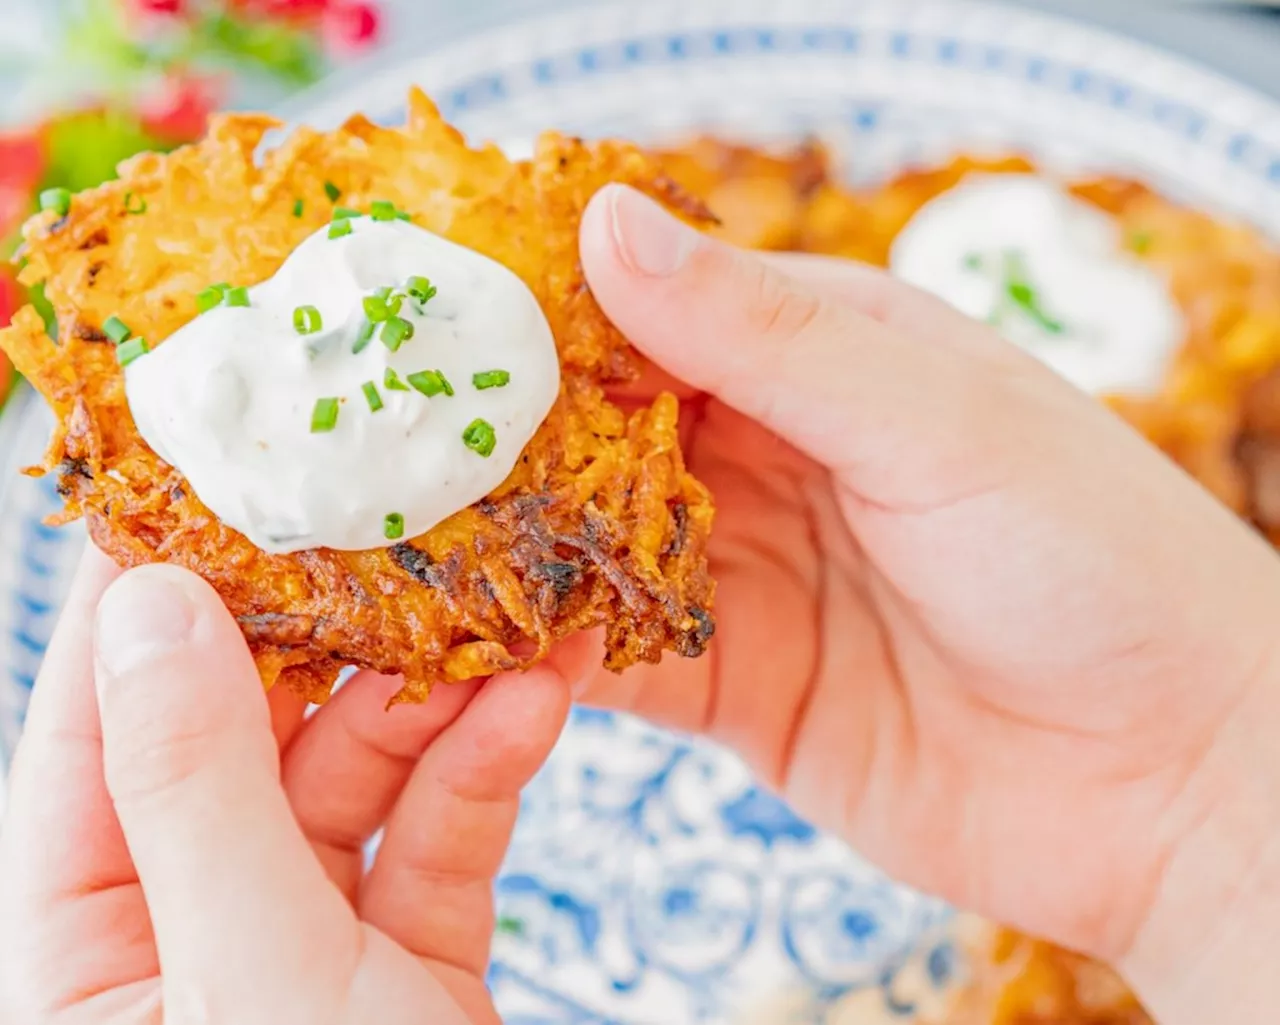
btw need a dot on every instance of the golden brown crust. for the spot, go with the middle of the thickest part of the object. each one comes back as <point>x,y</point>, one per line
<point>599,523</point>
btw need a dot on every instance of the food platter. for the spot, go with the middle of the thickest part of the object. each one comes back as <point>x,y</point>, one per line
<point>651,879</point>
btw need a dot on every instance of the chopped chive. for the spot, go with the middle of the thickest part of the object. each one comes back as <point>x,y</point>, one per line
<point>371,396</point>
<point>382,210</point>
<point>1023,295</point>
<point>480,437</point>
<point>237,296</point>
<point>324,417</point>
<point>297,208</point>
<point>130,350</point>
<point>339,228</point>
<point>420,289</point>
<point>363,336</point>
<point>134,204</point>
<point>973,261</point>
<point>430,382</point>
<point>395,332</point>
<point>332,191</point>
<point>342,213</point>
<point>57,200</point>
<point>208,298</point>
<point>306,320</point>
<point>391,381</point>
<point>1140,241</point>
<point>403,215</point>
<point>382,305</point>
<point>393,526</point>
<point>490,379</point>
<point>116,329</point>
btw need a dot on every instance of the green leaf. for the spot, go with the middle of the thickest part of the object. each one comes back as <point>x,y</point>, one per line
<point>279,48</point>
<point>85,148</point>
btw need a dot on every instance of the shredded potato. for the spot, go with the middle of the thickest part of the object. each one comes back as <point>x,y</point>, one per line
<point>599,524</point>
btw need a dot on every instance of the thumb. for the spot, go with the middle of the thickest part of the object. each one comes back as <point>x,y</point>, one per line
<point>234,891</point>
<point>830,379</point>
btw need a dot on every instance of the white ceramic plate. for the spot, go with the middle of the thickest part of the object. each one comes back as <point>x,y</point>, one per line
<point>651,879</point>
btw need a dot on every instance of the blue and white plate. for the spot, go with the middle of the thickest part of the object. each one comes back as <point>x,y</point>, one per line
<point>651,881</point>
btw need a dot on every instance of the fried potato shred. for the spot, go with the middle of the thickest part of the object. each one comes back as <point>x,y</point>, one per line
<point>599,524</point>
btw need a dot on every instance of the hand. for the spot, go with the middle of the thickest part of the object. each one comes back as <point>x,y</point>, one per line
<point>966,617</point>
<point>179,847</point>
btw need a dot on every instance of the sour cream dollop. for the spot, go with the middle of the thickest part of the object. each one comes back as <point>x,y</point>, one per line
<point>236,399</point>
<point>1050,272</point>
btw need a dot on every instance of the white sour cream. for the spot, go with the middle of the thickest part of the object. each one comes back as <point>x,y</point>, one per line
<point>229,399</point>
<point>1049,271</point>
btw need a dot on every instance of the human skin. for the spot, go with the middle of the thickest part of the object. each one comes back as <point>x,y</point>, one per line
<point>967,619</point>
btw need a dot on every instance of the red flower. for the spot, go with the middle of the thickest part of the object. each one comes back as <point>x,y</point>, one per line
<point>180,112</point>
<point>10,300</point>
<point>292,10</point>
<point>22,163</point>
<point>166,7</point>
<point>351,26</point>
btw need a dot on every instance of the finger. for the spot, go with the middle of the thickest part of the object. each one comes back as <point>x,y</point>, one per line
<point>431,886</point>
<point>237,899</point>
<point>836,383</point>
<point>288,712</point>
<point>877,294</point>
<point>346,768</point>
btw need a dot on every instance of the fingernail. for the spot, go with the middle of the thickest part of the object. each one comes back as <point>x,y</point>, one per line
<point>145,614</point>
<point>649,240</point>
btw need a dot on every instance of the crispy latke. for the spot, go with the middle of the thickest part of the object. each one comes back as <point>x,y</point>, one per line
<point>598,524</point>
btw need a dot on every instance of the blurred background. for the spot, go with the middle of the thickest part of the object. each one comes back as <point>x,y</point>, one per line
<point>86,83</point>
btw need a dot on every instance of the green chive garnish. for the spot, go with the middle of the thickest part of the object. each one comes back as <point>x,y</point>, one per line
<point>480,437</point>
<point>395,332</point>
<point>420,289</point>
<point>116,329</point>
<point>391,381</point>
<point>297,208</point>
<point>973,261</point>
<point>403,215</point>
<point>382,305</point>
<point>371,396</point>
<point>430,382</point>
<point>490,379</point>
<point>130,350</point>
<point>1023,295</point>
<point>134,204</point>
<point>382,210</point>
<point>237,296</point>
<point>393,526</point>
<point>208,298</point>
<point>324,417</point>
<point>363,336</point>
<point>339,228</point>
<point>57,200</point>
<point>306,320</point>
<point>342,213</point>
<point>332,191</point>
